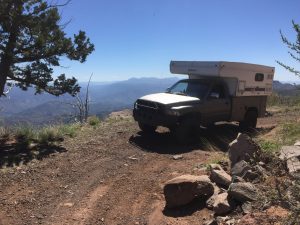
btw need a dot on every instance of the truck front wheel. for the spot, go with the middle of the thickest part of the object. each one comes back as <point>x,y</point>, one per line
<point>250,120</point>
<point>147,128</point>
<point>186,131</point>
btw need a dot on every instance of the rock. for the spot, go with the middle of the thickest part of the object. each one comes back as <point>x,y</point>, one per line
<point>291,154</point>
<point>176,157</point>
<point>240,168</point>
<point>132,158</point>
<point>224,164</point>
<point>242,192</point>
<point>210,202</point>
<point>230,222</point>
<point>242,148</point>
<point>293,165</point>
<point>247,207</point>
<point>68,204</point>
<point>211,222</point>
<point>184,189</point>
<point>221,205</point>
<point>223,219</point>
<point>260,170</point>
<point>215,167</point>
<point>297,143</point>
<point>250,175</point>
<point>220,177</point>
<point>236,179</point>
<point>287,152</point>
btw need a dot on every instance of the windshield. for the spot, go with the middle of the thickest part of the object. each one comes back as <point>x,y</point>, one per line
<point>193,88</point>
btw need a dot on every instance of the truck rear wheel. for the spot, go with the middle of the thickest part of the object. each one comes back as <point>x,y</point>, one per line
<point>249,121</point>
<point>147,128</point>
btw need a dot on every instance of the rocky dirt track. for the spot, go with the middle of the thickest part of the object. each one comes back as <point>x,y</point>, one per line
<point>110,175</point>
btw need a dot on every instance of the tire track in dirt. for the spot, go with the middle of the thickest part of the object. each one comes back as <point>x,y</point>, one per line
<point>85,211</point>
<point>135,195</point>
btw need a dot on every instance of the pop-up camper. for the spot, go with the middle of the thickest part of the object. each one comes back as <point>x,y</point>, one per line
<point>213,92</point>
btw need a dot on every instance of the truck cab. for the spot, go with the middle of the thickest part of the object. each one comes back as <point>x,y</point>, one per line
<point>206,97</point>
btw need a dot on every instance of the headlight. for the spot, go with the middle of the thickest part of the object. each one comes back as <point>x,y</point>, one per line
<point>172,112</point>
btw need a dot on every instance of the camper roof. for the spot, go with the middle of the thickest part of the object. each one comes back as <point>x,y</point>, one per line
<point>217,68</point>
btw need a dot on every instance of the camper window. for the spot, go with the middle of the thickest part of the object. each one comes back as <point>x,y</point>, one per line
<point>259,77</point>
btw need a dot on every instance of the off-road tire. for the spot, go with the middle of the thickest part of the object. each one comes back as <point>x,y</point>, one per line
<point>186,131</point>
<point>147,128</point>
<point>250,120</point>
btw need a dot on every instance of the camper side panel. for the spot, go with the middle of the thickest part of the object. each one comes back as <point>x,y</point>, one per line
<point>240,105</point>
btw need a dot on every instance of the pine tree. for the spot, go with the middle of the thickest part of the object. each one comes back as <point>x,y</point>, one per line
<point>294,49</point>
<point>32,42</point>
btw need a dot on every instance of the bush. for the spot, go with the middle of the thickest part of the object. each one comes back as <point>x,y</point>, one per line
<point>93,120</point>
<point>69,129</point>
<point>25,135</point>
<point>49,135</point>
<point>280,100</point>
<point>4,132</point>
<point>287,134</point>
<point>290,132</point>
<point>269,146</point>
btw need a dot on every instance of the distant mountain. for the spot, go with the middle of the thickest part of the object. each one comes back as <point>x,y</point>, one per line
<point>286,88</point>
<point>25,107</point>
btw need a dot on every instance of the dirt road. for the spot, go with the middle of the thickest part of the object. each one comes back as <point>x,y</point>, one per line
<point>109,175</point>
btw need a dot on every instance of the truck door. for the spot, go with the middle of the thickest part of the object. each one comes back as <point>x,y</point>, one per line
<point>217,106</point>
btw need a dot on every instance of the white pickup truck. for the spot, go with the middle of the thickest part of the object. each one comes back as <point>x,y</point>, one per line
<point>213,92</point>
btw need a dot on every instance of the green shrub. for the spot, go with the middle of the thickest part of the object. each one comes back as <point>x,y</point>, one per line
<point>69,129</point>
<point>269,146</point>
<point>25,131</point>
<point>25,135</point>
<point>49,135</point>
<point>93,120</point>
<point>290,133</point>
<point>4,132</point>
<point>280,100</point>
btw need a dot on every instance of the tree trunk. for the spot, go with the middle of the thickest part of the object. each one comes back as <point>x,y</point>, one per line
<point>7,58</point>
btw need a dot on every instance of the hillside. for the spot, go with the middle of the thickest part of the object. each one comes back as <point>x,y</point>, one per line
<point>112,174</point>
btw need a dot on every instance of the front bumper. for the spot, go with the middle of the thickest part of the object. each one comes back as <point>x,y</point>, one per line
<point>153,115</point>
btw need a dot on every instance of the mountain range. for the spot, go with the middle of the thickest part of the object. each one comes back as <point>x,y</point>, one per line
<point>26,107</point>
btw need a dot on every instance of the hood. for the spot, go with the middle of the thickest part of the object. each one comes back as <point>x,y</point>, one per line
<point>166,98</point>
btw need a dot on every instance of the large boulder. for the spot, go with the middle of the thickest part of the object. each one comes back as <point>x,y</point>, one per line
<point>220,177</point>
<point>291,154</point>
<point>221,205</point>
<point>184,189</point>
<point>242,192</point>
<point>242,148</point>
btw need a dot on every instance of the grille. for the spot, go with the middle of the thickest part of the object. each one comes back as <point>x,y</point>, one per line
<point>146,104</point>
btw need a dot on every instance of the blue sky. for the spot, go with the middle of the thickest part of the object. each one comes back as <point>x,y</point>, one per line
<point>138,38</point>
